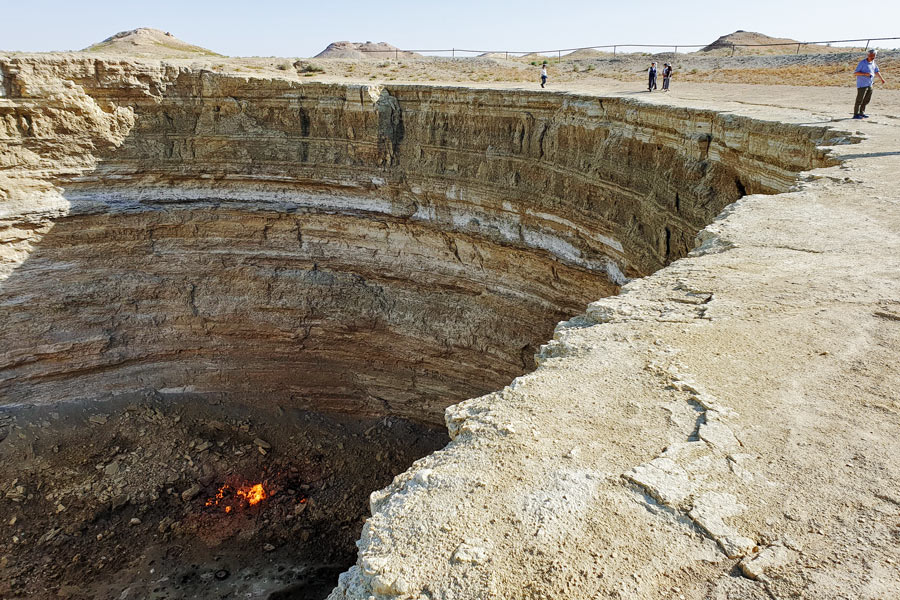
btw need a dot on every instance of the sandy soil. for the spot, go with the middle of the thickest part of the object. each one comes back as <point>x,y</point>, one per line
<point>834,69</point>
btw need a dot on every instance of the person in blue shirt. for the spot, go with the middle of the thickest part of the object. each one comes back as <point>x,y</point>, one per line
<point>865,77</point>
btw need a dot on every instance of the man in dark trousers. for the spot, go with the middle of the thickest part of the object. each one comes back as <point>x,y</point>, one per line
<point>667,76</point>
<point>652,73</point>
<point>865,77</point>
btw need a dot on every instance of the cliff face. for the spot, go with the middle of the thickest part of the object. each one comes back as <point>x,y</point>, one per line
<point>351,248</point>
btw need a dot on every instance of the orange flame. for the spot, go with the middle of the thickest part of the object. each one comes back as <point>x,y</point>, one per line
<point>253,495</point>
<point>219,496</point>
<point>227,495</point>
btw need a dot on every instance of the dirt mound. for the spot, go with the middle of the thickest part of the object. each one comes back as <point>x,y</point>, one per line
<point>759,43</point>
<point>535,55</point>
<point>584,53</point>
<point>146,41</point>
<point>745,37</point>
<point>360,50</point>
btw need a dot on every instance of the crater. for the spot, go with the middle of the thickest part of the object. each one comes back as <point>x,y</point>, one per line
<point>214,282</point>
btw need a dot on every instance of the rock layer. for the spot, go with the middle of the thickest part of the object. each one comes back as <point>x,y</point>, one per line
<point>350,248</point>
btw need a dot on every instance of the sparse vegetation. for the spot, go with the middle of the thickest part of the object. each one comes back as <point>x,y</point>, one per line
<point>308,69</point>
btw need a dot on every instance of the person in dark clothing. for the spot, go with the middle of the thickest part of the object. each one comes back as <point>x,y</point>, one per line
<point>667,75</point>
<point>652,73</point>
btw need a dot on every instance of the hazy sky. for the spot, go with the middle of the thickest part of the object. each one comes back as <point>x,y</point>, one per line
<point>301,28</point>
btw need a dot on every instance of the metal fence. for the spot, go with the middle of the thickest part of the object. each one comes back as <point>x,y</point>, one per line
<point>615,48</point>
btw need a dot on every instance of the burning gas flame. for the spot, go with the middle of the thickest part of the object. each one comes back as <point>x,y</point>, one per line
<point>229,496</point>
<point>220,495</point>
<point>253,495</point>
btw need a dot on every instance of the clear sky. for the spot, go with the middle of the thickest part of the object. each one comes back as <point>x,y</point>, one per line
<point>303,28</point>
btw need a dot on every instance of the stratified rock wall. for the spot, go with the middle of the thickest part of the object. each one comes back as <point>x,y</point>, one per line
<point>341,247</point>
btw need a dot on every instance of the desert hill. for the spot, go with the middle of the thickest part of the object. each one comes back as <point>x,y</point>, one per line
<point>789,46</point>
<point>149,42</point>
<point>362,50</point>
<point>745,37</point>
<point>586,53</point>
<point>535,55</point>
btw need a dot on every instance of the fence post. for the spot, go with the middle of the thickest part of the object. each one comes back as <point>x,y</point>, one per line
<point>614,50</point>
<point>507,55</point>
<point>452,52</point>
<point>732,49</point>
<point>676,52</point>
<point>798,48</point>
<point>867,44</point>
<point>558,56</point>
<point>396,53</point>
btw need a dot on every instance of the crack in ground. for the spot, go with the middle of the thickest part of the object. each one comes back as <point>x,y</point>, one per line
<point>675,480</point>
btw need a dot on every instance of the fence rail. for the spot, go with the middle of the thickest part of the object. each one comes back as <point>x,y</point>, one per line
<point>615,47</point>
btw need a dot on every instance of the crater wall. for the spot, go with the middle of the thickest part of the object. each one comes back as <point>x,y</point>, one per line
<point>352,248</point>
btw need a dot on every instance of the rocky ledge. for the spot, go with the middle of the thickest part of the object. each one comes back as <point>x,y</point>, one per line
<point>351,248</point>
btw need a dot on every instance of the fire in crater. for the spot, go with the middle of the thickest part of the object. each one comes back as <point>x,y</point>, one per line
<point>253,495</point>
<point>230,497</point>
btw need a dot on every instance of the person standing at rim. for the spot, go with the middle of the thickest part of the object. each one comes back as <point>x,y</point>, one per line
<point>865,78</point>
<point>667,75</point>
<point>543,74</point>
<point>652,73</point>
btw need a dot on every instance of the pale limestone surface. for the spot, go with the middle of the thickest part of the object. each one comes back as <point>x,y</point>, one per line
<point>795,353</point>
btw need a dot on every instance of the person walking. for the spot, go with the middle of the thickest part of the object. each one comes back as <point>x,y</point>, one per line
<point>543,74</point>
<point>865,78</point>
<point>652,73</point>
<point>667,75</point>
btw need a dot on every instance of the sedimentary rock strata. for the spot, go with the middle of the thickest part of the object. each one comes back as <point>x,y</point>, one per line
<point>350,248</point>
